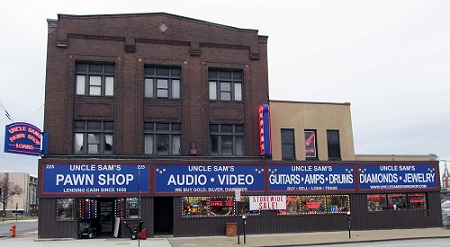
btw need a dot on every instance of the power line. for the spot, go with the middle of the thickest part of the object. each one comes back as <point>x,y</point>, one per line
<point>6,112</point>
<point>35,112</point>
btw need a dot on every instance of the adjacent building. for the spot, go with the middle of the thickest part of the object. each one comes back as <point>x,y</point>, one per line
<point>26,202</point>
<point>167,119</point>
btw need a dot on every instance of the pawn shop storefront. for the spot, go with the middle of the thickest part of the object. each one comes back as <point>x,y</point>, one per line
<point>111,198</point>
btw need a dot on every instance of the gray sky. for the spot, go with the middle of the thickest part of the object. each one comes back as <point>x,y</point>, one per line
<point>389,59</point>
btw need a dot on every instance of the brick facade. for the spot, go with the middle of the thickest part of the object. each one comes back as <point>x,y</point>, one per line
<point>134,40</point>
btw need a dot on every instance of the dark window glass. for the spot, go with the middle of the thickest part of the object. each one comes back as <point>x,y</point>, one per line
<point>81,67</point>
<point>334,148</point>
<point>287,144</point>
<point>162,71</point>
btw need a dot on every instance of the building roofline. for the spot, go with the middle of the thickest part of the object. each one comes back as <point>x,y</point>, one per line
<point>120,15</point>
<point>309,102</point>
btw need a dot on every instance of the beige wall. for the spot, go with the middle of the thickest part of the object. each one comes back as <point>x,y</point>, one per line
<point>395,157</point>
<point>29,186</point>
<point>312,116</point>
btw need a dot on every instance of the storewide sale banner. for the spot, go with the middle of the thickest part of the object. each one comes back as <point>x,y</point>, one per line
<point>267,202</point>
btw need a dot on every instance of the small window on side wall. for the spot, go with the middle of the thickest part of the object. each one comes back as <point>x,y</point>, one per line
<point>310,144</point>
<point>287,144</point>
<point>334,146</point>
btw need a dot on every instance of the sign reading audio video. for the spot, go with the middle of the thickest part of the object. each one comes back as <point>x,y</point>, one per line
<point>311,178</point>
<point>389,177</point>
<point>95,178</point>
<point>208,178</point>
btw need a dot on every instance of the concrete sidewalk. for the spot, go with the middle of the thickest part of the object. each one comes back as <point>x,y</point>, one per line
<point>287,239</point>
<point>315,238</point>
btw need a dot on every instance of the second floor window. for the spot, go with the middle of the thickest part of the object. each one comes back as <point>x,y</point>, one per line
<point>93,137</point>
<point>225,85</point>
<point>334,147</point>
<point>310,144</point>
<point>226,139</point>
<point>94,79</point>
<point>162,82</point>
<point>287,144</point>
<point>162,138</point>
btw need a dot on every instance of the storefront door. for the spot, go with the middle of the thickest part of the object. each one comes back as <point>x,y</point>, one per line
<point>163,211</point>
<point>106,215</point>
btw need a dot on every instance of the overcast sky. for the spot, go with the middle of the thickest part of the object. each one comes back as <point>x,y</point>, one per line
<point>389,59</point>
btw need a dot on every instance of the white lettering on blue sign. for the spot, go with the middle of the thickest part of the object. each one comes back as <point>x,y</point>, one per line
<point>419,177</point>
<point>88,179</point>
<point>231,179</point>
<point>378,178</point>
<point>75,179</point>
<point>187,179</point>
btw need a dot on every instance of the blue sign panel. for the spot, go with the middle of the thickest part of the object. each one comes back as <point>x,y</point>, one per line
<point>297,178</point>
<point>208,178</point>
<point>23,138</point>
<point>95,178</point>
<point>390,177</point>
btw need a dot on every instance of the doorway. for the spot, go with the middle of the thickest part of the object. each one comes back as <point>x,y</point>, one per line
<point>105,216</point>
<point>163,215</point>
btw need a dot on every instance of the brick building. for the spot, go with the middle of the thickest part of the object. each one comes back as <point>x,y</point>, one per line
<point>146,88</point>
<point>166,119</point>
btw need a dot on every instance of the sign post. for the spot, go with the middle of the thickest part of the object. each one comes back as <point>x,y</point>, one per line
<point>237,196</point>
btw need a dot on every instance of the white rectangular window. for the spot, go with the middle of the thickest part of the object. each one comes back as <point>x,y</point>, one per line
<point>149,88</point>
<point>81,84</point>
<point>109,86</point>
<point>162,90</point>
<point>238,91</point>
<point>148,144</point>
<point>95,85</point>
<point>212,90</point>
<point>175,89</point>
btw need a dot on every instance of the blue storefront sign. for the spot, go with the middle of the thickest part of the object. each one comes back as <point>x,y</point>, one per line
<point>95,178</point>
<point>208,178</point>
<point>23,138</point>
<point>295,178</point>
<point>394,177</point>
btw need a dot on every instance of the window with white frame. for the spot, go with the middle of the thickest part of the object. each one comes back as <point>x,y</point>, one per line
<point>94,79</point>
<point>162,82</point>
<point>225,85</point>
<point>93,137</point>
<point>162,138</point>
<point>226,139</point>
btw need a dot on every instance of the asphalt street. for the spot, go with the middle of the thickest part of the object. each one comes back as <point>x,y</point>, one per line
<point>22,226</point>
